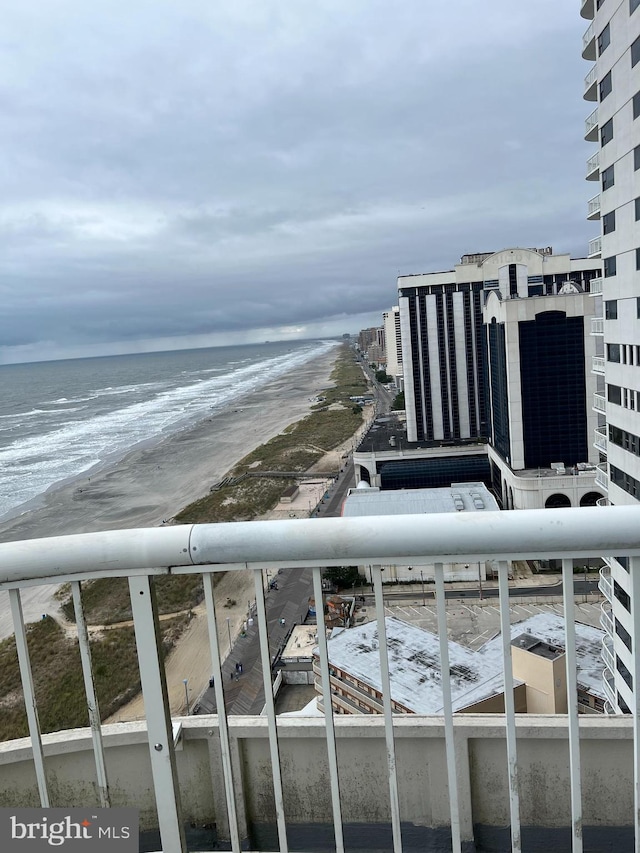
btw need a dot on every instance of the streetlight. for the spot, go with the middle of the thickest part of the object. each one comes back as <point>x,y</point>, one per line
<point>479,581</point>
<point>229,631</point>
<point>422,583</point>
<point>185,681</point>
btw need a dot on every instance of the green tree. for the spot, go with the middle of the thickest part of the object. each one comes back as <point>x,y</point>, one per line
<point>342,576</point>
<point>398,403</point>
<point>383,377</point>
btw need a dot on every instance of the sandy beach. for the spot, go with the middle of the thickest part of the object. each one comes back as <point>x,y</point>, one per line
<point>152,483</point>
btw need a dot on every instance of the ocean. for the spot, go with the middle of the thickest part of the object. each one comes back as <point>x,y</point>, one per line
<point>62,419</point>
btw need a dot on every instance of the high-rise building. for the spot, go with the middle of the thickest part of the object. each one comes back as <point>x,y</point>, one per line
<point>497,349</point>
<point>612,43</point>
<point>393,343</point>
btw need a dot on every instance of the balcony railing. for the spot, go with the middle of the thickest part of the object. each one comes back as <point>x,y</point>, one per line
<point>608,683</point>
<point>606,619</point>
<point>602,476</point>
<point>605,585</point>
<point>591,86</point>
<point>599,403</point>
<point>237,770</point>
<point>608,655</point>
<point>595,286</point>
<point>595,247</point>
<point>593,207</point>
<point>597,364</point>
<point>593,167</point>
<point>589,43</point>
<point>600,438</point>
<point>597,325</point>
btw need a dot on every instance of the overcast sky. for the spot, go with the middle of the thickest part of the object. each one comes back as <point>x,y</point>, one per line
<point>197,173</point>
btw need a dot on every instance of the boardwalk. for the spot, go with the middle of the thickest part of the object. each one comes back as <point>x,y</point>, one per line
<point>244,692</point>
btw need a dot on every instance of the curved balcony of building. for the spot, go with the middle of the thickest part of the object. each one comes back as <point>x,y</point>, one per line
<point>605,584</point>
<point>600,439</point>
<point>595,286</point>
<point>587,9</point>
<point>589,43</point>
<point>591,86</point>
<point>608,654</point>
<point>609,687</point>
<point>595,246</point>
<point>597,325</point>
<point>606,618</point>
<point>602,476</point>
<point>593,167</point>
<point>597,364</point>
<point>591,126</point>
<point>599,402</point>
<point>603,502</point>
<point>593,207</point>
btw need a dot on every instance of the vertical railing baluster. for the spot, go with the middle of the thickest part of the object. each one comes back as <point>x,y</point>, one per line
<point>332,753</point>
<point>265,657</point>
<point>156,709</point>
<point>509,707</point>
<point>388,710</point>
<point>452,776</point>
<point>90,693</point>
<point>223,724</point>
<point>572,704</point>
<point>29,695</point>
<point>634,570</point>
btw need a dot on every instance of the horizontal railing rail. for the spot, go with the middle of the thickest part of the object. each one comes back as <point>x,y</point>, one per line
<point>375,542</point>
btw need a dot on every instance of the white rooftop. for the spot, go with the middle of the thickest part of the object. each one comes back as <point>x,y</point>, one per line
<point>414,661</point>
<point>459,497</point>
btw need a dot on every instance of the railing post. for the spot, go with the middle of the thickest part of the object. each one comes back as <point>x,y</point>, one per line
<point>452,776</point>
<point>572,704</point>
<point>29,695</point>
<point>332,754</point>
<point>156,708</point>
<point>90,693</point>
<point>388,711</point>
<point>509,707</point>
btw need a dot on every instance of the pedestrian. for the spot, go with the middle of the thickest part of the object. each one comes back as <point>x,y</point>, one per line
<point>237,667</point>
<point>231,676</point>
<point>240,667</point>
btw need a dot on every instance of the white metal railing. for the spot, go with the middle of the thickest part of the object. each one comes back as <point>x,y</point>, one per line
<point>597,364</point>
<point>591,126</point>
<point>600,438</point>
<point>422,540</point>
<point>602,502</point>
<point>593,207</point>
<point>599,403</point>
<point>591,85</point>
<point>588,43</point>
<point>602,476</point>
<point>607,654</point>
<point>604,584</point>
<point>606,619</point>
<point>595,286</point>
<point>593,167</point>
<point>595,247</point>
<point>608,683</point>
<point>597,325</point>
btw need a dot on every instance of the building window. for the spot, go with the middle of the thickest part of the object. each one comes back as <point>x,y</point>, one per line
<point>633,5</point>
<point>614,394</point>
<point>607,177</point>
<point>635,52</point>
<point>621,596</point>
<point>636,103</point>
<point>609,222</point>
<point>638,259</point>
<point>613,353</point>
<point>621,631</point>
<point>637,202</point>
<point>605,86</point>
<point>606,132</point>
<point>604,40</point>
<point>611,309</point>
<point>636,158</point>
<point>609,267</point>
<point>638,308</point>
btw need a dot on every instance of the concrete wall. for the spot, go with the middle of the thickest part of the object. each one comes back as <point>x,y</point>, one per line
<point>606,752</point>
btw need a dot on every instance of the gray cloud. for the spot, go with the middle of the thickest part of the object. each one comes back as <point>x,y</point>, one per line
<point>177,171</point>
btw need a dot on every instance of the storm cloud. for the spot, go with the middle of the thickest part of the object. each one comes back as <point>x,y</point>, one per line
<point>178,174</point>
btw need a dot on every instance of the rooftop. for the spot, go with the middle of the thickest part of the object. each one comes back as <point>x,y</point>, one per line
<point>459,497</point>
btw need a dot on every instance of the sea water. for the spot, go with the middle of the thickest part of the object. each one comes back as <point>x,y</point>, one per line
<point>61,419</point>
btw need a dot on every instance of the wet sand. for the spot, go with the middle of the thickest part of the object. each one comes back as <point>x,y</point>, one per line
<point>153,483</point>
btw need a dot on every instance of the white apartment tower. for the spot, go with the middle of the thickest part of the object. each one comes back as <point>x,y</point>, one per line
<point>393,343</point>
<point>612,43</point>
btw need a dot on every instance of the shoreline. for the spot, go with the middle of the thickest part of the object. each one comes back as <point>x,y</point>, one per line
<point>153,483</point>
